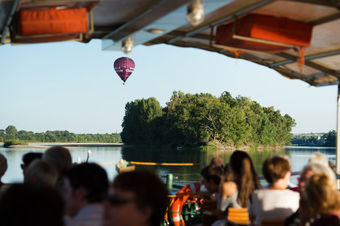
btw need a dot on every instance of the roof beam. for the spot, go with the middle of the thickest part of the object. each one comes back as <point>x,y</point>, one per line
<point>326,19</point>
<point>222,20</point>
<point>309,57</point>
<point>329,3</point>
<point>153,13</point>
<point>8,21</point>
<point>318,75</point>
<point>327,83</point>
<point>312,65</point>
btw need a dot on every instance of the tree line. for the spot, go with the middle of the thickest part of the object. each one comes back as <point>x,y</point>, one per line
<point>199,119</point>
<point>323,140</point>
<point>12,134</point>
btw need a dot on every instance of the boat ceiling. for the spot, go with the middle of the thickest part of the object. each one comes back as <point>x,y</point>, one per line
<point>115,20</point>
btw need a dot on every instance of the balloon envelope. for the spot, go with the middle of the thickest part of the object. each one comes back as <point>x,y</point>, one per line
<point>124,67</point>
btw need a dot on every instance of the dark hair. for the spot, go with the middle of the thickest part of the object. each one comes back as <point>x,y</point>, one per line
<point>214,173</point>
<point>228,174</point>
<point>30,157</point>
<point>275,168</point>
<point>149,190</point>
<point>90,176</point>
<point>244,175</point>
<point>30,205</point>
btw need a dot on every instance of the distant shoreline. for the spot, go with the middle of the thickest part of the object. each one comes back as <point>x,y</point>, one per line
<point>67,145</point>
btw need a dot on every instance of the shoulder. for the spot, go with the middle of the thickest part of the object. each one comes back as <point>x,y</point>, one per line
<point>290,193</point>
<point>229,188</point>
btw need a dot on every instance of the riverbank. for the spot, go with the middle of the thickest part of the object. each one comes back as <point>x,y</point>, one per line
<point>216,146</point>
<point>67,145</point>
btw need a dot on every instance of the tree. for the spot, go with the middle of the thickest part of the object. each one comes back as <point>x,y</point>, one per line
<point>198,119</point>
<point>11,133</point>
<point>139,121</point>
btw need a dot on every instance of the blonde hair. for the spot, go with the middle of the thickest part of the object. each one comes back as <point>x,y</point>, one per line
<point>321,194</point>
<point>319,158</point>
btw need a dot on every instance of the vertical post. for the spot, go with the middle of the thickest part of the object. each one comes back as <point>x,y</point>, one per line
<point>338,136</point>
<point>169,180</point>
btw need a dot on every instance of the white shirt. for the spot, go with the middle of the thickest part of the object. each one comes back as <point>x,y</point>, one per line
<point>90,215</point>
<point>273,204</point>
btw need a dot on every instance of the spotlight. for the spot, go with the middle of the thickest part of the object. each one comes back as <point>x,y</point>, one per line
<point>195,12</point>
<point>155,31</point>
<point>127,45</point>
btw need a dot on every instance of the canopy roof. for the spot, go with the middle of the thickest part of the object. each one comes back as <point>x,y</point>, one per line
<point>113,21</point>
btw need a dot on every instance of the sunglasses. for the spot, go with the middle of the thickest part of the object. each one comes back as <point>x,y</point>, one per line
<point>118,201</point>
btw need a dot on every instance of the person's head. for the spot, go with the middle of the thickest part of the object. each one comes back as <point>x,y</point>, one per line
<point>30,205</point>
<point>212,178</point>
<point>40,172</point>
<point>84,184</point>
<point>311,169</point>
<point>244,175</point>
<point>136,198</point>
<point>59,157</point>
<point>276,168</point>
<point>3,165</point>
<point>319,158</point>
<point>217,161</point>
<point>28,158</point>
<point>321,195</point>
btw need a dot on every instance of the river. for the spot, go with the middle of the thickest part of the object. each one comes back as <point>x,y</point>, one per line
<point>182,174</point>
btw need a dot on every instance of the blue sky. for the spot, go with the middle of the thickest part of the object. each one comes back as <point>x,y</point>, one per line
<point>72,86</point>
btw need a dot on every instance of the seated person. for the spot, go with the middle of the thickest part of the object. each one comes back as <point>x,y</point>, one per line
<point>39,173</point>
<point>28,158</point>
<point>30,205</point>
<point>137,198</point>
<point>85,187</point>
<point>211,179</point>
<point>298,218</point>
<point>275,201</point>
<point>228,194</point>
<point>322,201</point>
<point>3,168</point>
<point>60,158</point>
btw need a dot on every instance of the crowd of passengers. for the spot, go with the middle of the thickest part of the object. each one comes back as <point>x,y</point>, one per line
<point>56,192</point>
<point>314,202</point>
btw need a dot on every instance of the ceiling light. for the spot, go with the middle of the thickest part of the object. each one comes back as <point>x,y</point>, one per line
<point>127,45</point>
<point>155,31</point>
<point>195,12</point>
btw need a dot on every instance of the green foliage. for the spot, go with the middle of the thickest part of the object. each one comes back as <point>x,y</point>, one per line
<point>11,133</point>
<point>8,143</point>
<point>56,136</point>
<point>200,119</point>
<point>141,121</point>
<point>323,140</point>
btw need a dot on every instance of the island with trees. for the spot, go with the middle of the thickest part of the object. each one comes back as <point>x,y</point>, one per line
<point>315,139</point>
<point>203,119</point>
<point>11,136</point>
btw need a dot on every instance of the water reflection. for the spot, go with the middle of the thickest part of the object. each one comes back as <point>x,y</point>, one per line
<point>107,156</point>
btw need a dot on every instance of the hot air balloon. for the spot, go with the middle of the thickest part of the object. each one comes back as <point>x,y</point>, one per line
<point>124,67</point>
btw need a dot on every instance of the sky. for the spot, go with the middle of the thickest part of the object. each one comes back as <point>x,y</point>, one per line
<point>73,86</point>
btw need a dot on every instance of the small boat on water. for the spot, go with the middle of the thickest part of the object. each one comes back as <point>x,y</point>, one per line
<point>123,167</point>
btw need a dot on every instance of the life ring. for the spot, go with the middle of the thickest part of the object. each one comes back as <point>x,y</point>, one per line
<point>177,205</point>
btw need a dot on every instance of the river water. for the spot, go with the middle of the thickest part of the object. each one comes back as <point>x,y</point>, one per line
<point>107,156</point>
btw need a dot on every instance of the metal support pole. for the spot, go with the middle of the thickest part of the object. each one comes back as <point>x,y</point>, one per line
<point>338,136</point>
<point>169,180</point>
